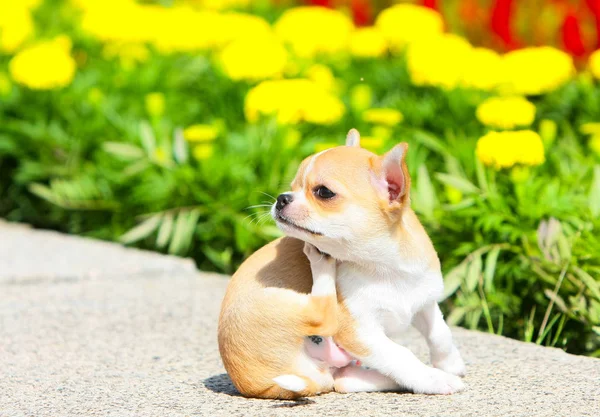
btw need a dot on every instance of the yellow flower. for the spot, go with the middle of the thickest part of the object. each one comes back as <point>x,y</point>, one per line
<point>506,149</point>
<point>312,31</point>
<point>320,147</point>
<point>483,70</point>
<point>16,25</point>
<point>361,97</point>
<point>200,133</point>
<point>322,76</point>
<point>169,29</point>
<point>129,54</point>
<point>382,132</point>
<point>219,4</point>
<point>371,143</point>
<point>590,128</point>
<point>45,66</point>
<point>594,64</point>
<point>253,58</point>
<point>403,24</point>
<point>203,151</point>
<point>506,112</point>
<point>388,117</point>
<point>594,144</point>
<point>368,43</point>
<point>155,104</point>
<point>234,26</point>
<point>439,61</point>
<point>293,101</point>
<point>536,70</point>
<point>30,4</point>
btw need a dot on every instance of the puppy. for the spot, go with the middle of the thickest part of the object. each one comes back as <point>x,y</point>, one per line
<point>355,206</point>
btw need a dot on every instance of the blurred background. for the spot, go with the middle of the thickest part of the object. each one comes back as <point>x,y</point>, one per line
<point>171,126</point>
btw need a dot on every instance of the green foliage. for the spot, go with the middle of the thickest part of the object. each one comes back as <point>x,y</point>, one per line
<point>521,259</point>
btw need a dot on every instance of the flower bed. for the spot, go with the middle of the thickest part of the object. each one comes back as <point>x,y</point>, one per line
<point>171,128</point>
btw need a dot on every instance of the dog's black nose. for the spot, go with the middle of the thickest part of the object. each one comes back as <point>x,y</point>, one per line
<point>283,200</point>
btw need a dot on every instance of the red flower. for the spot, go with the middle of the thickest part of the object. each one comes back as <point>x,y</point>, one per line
<point>432,4</point>
<point>324,3</point>
<point>594,6</point>
<point>571,35</point>
<point>502,12</point>
<point>361,12</point>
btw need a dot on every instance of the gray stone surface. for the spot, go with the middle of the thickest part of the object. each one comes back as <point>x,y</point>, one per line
<point>92,329</point>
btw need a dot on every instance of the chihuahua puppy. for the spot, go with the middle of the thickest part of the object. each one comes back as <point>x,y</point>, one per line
<point>354,206</point>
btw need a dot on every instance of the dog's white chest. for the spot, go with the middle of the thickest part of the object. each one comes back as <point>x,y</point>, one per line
<point>390,301</point>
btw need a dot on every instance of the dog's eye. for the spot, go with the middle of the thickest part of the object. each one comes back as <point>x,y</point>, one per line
<point>323,192</point>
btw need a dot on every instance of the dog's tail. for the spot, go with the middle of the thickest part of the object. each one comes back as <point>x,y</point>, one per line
<point>299,385</point>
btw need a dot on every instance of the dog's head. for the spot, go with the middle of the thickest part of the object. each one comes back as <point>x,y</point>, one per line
<point>345,198</point>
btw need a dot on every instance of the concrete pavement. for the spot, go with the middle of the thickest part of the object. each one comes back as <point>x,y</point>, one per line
<point>90,328</point>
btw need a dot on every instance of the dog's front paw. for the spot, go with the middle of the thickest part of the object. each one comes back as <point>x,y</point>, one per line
<point>452,363</point>
<point>315,256</point>
<point>436,381</point>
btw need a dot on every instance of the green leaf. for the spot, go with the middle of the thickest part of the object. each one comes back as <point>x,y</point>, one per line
<point>481,177</point>
<point>425,199</point>
<point>490,269</point>
<point>594,195</point>
<point>180,147</point>
<point>221,259</point>
<point>271,232</point>
<point>459,183</point>
<point>147,138</point>
<point>185,225</point>
<point>164,233</point>
<point>473,273</point>
<point>124,151</point>
<point>454,278</point>
<point>142,230</point>
<point>589,281</point>
<point>456,316</point>
<point>431,142</point>
<point>42,191</point>
<point>178,234</point>
<point>560,303</point>
<point>466,202</point>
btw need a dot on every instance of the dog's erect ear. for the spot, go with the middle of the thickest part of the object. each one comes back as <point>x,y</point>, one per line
<point>353,138</point>
<point>394,176</point>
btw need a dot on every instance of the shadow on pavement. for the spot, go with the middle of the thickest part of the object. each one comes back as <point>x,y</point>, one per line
<point>221,384</point>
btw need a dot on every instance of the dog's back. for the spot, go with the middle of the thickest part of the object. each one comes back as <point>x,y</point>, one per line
<point>259,337</point>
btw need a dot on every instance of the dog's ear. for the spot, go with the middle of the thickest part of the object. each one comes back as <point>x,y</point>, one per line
<point>394,178</point>
<point>353,138</point>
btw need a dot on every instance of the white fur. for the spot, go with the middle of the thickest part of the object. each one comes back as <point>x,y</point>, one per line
<point>314,369</point>
<point>386,288</point>
<point>353,138</point>
<point>358,379</point>
<point>323,272</point>
<point>290,382</point>
<point>385,300</point>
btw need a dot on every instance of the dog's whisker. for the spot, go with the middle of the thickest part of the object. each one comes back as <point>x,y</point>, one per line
<point>268,195</point>
<point>258,205</point>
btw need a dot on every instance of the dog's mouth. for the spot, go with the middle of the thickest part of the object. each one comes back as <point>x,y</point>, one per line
<point>280,219</point>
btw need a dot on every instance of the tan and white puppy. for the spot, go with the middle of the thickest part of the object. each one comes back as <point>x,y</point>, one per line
<point>354,206</point>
